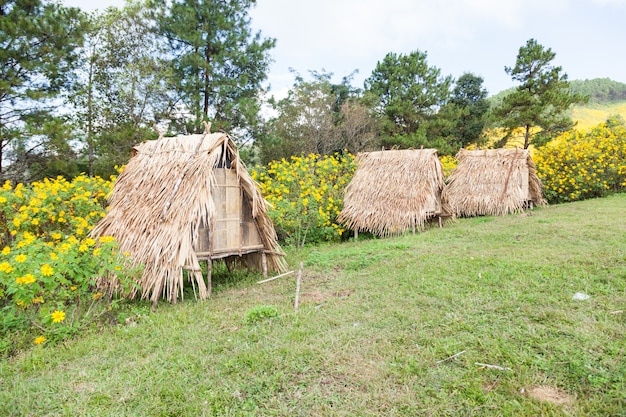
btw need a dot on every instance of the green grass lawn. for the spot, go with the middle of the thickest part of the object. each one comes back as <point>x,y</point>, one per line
<point>379,325</point>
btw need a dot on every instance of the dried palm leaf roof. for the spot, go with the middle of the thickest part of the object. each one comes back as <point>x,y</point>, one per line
<point>394,191</point>
<point>492,182</point>
<point>160,201</point>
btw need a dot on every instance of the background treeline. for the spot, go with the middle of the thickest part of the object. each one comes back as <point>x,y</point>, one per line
<point>78,90</point>
<point>600,90</point>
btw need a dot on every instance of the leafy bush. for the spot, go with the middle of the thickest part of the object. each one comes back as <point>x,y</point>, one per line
<point>306,196</point>
<point>580,165</point>
<point>260,312</point>
<point>48,265</point>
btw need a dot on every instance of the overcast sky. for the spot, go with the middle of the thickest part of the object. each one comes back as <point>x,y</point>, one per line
<point>477,36</point>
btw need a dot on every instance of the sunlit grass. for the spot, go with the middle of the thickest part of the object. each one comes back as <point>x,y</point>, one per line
<point>591,115</point>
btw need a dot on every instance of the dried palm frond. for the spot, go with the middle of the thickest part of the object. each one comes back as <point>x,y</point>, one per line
<point>394,191</point>
<point>492,182</point>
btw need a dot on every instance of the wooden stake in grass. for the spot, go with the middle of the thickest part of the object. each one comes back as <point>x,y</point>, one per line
<point>298,280</point>
<point>451,357</point>
<point>277,276</point>
<point>486,365</point>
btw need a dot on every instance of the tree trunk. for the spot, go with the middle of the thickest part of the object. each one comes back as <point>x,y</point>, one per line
<point>527,137</point>
<point>1,156</point>
<point>207,59</point>
<point>90,120</point>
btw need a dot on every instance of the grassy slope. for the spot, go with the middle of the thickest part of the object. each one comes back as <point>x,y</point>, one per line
<point>593,114</point>
<point>376,318</point>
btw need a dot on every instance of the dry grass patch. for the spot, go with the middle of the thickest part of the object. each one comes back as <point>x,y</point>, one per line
<point>551,395</point>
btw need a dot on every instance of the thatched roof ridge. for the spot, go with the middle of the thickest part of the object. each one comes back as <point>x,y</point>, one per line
<point>159,202</point>
<point>393,191</point>
<point>492,182</point>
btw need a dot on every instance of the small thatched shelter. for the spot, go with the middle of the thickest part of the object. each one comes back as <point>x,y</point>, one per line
<point>493,182</point>
<point>394,191</point>
<point>184,199</point>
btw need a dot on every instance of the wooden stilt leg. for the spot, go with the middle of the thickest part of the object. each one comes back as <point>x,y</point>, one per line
<point>264,264</point>
<point>209,267</point>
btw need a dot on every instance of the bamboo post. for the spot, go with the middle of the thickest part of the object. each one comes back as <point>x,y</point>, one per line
<point>264,264</point>
<point>298,281</point>
<point>209,267</point>
<point>277,276</point>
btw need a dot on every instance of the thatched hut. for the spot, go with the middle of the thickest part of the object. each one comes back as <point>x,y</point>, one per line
<point>394,191</point>
<point>493,182</point>
<point>184,199</point>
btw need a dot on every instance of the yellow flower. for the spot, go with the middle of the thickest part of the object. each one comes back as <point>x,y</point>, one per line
<point>73,288</point>
<point>54,256</point>
<point>6,250</point>
<point>20,258</point>
<point>39,340</point>
<point>57,316</point>
<point>107,239</point>
<point>38,300</point>
<point>26,279</point>
<point>97,251</point>
<point>46,270</point>
<point>56,236</point>
<point>97,295</point>
<point>6,267</point>
<point>82,248</point>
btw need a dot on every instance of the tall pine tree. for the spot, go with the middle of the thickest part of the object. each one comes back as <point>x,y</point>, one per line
<point>38,53</point>
<point>219,62</point>
<point>538,104</point>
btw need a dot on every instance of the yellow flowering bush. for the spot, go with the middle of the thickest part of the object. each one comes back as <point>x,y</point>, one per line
<point>306,195</point>
<point>448,163</point>
<point>579,165</point>
<point>48,264</point>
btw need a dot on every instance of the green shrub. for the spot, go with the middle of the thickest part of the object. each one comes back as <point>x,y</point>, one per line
<point>259,313</point>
